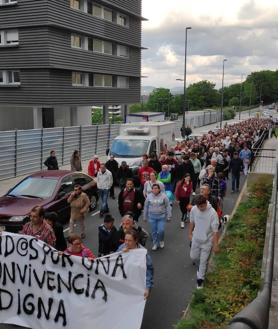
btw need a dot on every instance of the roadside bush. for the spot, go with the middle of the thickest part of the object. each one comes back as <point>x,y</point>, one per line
<point>235,277</point>
<point>228,114</point>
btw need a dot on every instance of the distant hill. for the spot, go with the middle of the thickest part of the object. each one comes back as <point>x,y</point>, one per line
<point>146,90</point>
<point>177,90</point>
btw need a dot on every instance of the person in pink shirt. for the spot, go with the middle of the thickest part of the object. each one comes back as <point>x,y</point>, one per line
<point>77,248</point>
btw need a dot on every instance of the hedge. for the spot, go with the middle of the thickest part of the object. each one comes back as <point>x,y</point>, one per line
<point>235,277</point>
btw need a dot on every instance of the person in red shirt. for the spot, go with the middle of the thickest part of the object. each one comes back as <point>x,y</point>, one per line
<point>77,248</point>
<point>183,192</point>
<point>93,166</point>
<point>38,227</point>
<point>144,172</point>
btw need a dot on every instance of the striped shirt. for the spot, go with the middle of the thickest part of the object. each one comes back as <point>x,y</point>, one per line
<point>44,232</point>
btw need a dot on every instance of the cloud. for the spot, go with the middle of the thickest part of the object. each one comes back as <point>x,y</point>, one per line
<point>168,55</point>
<point>248,39</point>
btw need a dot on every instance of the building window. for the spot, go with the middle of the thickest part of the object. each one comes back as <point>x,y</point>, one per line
<point>7,2</point>
<point>80,79</point>
<point>77,4</point>
<point>97,45</point>
<point>122,51</point>
<point>76,41</point>
<point>103,80</point>
<point>97,11</point>
<point>9,38</point>
<point>122,82</point>
<point>122,19</point>
<point>9,78</point>
<point>101,46</point>
<point>107,14</point>
<point>107,47</point>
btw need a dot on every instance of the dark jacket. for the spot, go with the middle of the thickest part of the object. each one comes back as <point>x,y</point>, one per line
<point>236,166</point>
<point>61,243</point>
<point>156,165</point>
<point>108,241</point>
<point>113,166</point>
<point>139,198</point>
<point>51,163</point>
<point>213,183</point>
<point>123,174</point>
<point>184,168</point>
<point>142,234</point>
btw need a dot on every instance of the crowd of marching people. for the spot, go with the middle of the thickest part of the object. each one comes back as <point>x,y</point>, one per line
<point>195,174</point>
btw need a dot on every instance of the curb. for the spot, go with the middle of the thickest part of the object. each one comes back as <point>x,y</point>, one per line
<point>186,312</point>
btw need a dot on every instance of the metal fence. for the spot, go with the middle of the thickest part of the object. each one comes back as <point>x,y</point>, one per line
<point>24,151</point>
<point>256,314</point>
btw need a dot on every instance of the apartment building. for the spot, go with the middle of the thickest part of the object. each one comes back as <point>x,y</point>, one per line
<point>58,58</point>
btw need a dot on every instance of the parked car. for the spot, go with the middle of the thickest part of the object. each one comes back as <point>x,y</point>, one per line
<point>49,189</point>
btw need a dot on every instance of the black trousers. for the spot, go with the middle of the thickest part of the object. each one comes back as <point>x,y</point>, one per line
<point>183,204</point>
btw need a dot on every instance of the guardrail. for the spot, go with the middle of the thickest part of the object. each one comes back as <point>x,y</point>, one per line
<point>256,314</point>
<point>24,151</point>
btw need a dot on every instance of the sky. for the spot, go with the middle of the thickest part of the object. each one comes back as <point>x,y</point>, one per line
<point>245,32</point>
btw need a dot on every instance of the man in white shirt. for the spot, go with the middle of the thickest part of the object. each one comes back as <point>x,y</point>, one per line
<point>104,182</point>
<point>203,234</point>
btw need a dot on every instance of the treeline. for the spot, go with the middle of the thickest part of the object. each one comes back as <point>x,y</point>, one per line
<point>259,87</point>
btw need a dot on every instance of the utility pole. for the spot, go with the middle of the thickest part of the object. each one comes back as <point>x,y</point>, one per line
<point>222,93</point>
<point>240,99</point>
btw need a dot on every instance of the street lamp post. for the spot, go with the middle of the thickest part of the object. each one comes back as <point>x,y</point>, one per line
<point>222,92</point>
<point>240,100</point>
<point>184,80</point>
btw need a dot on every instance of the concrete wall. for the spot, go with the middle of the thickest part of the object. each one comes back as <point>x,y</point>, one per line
<point>16,118</point>
<point>62,116</point>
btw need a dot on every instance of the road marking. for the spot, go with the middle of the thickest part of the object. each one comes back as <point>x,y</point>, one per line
<point>95,213</point>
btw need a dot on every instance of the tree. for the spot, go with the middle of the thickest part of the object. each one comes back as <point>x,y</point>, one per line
<point>176,105</point>
<point>160,100</point>
<point>97,116</point>
<point>266,85</point>
<point>137,107</point>
<point>234,101</point>
<point>202,95</point>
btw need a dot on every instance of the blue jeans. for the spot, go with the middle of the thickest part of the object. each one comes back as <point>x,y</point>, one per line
<point>158,227</point>
<point>235,182</point>
<point>103,194</point>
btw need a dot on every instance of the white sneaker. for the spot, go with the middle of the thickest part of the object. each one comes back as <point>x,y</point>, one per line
<point>161,244</point>
<point>193,193</point>
<point>154,248</point>
<point>182,224</point>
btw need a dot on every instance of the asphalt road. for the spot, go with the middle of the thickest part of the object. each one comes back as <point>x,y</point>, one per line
<point>175,276</point>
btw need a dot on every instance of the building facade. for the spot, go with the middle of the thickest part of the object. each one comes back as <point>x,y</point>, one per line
<point>58,58</point>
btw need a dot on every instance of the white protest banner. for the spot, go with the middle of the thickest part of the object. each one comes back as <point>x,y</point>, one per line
<point>41,289</point>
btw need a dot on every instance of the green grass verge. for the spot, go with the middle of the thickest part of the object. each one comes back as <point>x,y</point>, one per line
<point>236,275</point>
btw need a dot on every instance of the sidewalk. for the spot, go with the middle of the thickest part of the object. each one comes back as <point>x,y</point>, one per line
<point>6,184</point>
<point>266,162</point>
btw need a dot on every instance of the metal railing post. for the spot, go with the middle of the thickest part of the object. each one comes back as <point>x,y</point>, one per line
<point>15,153</point>
<point>63,146</point>
<point>96,140</point>
<point>41,147</point>
<point>80,140</point>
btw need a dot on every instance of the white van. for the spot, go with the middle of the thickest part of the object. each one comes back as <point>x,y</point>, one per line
<point>137,139</point>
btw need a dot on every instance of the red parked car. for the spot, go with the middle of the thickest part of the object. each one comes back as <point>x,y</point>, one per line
<point>49,189</point>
